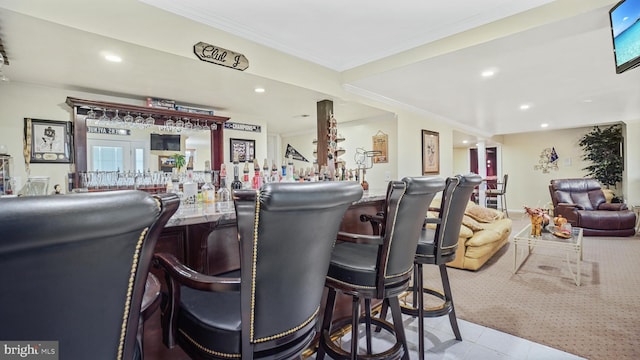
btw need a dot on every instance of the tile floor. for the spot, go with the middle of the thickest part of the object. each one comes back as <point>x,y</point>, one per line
<point>479,343</point>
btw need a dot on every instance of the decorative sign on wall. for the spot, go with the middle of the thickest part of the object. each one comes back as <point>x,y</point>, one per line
<point>242,127</point>
<point>380,143</point>
<point>548,160</point>
<point>294,154</point>
<point>107,131</point>
<point>219,56</point>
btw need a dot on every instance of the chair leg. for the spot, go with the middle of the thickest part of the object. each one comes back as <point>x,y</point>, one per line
<point>396,313</point>
<point>504,204</point>
<point>355,308</point>
<point>367,319</point>
<point>419,284</point>
<point>447,292</point>
<point>326,322</point>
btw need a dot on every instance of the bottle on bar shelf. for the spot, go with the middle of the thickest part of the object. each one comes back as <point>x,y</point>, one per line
<point>245,176</point>
<point>257,178</point>
<point>274,173</point>
<point>223,193</point>
<point>208,191</point>
<point>290,171</point>
<point>190,188</point>
<point>236,184</point>
<point>283,175</point>
<point>265,172</point>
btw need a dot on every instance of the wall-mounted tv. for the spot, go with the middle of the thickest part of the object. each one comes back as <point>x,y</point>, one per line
<point>624,18</point>
<point>165,142</point>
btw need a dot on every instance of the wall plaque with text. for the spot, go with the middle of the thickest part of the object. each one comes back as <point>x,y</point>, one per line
<point>220,56</point>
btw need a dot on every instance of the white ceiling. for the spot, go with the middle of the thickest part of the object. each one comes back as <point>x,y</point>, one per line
<point>425,56</point>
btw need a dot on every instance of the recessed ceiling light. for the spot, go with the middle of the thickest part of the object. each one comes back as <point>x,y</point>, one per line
<point>465,141</point>
<point>544,125</point>
<point>525,107</point>
<point>587,101</point>
<point>259,90</point>
<point>488,73</point>
<point>113,58</point>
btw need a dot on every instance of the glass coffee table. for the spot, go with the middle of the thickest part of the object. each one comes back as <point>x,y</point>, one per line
<point>572,247</point>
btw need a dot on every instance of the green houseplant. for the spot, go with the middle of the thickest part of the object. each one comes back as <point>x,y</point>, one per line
<point>603,148</point>
<point>180,160</point>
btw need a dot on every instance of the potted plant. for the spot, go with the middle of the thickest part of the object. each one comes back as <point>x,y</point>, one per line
<point>179,160</point>
<point>603,148</point>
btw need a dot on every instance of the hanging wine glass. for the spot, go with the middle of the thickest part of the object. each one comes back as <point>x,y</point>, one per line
<point>149,121</point>
<point>104,119</point>
<point>128,120</point>
<point>169,124</point>
<point>188,125</point>
<point>214,126</point>
<point>139,121</point>
<point>117,120</point>
<point>198,126</point>
<point>91,114</point>
<point>179,125</point>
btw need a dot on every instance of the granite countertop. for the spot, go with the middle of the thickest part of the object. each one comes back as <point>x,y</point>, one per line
<point>199,213</point>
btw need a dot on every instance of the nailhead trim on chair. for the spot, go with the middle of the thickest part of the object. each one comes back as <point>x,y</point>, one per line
<point>127,303</point>
<point>253,286</point>
<point>215,353</point>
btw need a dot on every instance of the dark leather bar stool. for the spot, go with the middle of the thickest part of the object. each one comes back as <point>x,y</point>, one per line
<point>438,247</point>
<point>286,232</point>
<point>76,267</point>
<point>378,267</point>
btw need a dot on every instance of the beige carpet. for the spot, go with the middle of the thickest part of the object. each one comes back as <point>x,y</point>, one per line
<point>598,320</point>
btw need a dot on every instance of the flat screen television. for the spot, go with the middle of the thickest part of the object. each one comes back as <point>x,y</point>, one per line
<point>624,18</point>
<point>165,142</point>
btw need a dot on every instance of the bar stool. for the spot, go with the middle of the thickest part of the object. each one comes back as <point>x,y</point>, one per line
<point>438,247</point>
<point>501,191</point>
<point>378,267</point>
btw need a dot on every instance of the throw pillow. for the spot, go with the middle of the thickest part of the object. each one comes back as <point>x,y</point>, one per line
<point>471,223</point>
<point>483,214</point>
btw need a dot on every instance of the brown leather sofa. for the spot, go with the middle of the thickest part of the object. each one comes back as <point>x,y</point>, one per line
<point>583,203</point>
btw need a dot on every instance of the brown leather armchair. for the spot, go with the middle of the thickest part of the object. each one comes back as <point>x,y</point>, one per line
<point>583,203</point>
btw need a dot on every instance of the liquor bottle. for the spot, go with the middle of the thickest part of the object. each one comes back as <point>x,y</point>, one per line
<point>236,184</point>
<point>222,189</point>
<point>266,178</point>
<point>190,188</point>
<point>256,182</point>
<point>207,190</point>
<point>283,175</point>
<point>245,176</point>
<point>274,173</point>
<point>290,171</point>
<point>223,193</point>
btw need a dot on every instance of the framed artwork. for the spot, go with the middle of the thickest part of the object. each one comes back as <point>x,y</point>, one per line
<point>380,145</point>
<point>244,149</point>
<point>430,152</point>
<point>166,163</point>
<point>48,141</point>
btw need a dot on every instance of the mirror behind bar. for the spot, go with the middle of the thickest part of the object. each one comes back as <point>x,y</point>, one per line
<point>81,107</point>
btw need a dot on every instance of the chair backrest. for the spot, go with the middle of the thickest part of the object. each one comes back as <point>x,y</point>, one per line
<point>287,232</point>
<point>504,183</point>
<point>74,268</point>
<point>585,192</point>
<point>406,206</point>
<point>455,198</point>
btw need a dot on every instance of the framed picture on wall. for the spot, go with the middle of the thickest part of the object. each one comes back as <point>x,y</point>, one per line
<point>48,141</point>
<point>244,149</point>
<point>430,152</point>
